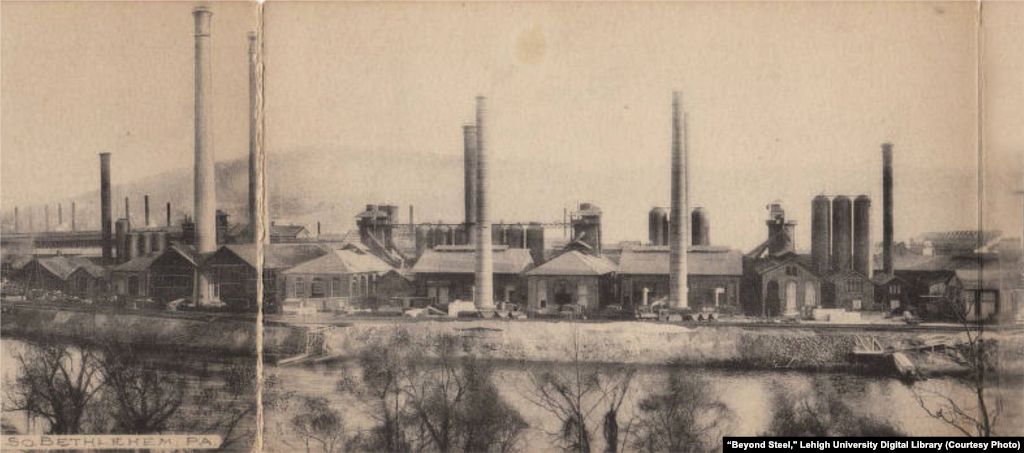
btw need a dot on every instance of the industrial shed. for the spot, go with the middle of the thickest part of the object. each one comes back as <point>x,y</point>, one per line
<point>87,280</point>
<point>446,273</point>
<point>573,277</point>
<point>334,281</point>
<point>779,285</point>
<point>713,277</point>
<point>851,290</point>
<point>173,272</point>
<point>133,278</point>
<point>232,271</point>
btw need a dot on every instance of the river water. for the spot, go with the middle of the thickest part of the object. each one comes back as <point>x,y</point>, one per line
<point>747,394</point>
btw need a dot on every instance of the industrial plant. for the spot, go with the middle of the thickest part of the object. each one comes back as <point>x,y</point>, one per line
<point>475,266</point>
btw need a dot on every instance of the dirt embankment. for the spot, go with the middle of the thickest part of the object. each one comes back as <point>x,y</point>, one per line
<point>658,344</point>
<point>199,333</point>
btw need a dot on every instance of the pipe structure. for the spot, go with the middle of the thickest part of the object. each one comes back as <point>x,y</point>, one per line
<point>73,226</point>
<point>145,210</point>
<point>484,288</point>
<point>46,217</point>
<point>17,226</point>
<point>105,208</point>
<point>168,214</point>
<point>470,183</point>
<point>127,211</point>
<point>205,215</point>
<point>60,214</point>
<point>678,218</point>
<point>887,213</point>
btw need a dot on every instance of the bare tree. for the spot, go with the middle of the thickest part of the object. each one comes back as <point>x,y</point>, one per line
<point>821,412</point>
<point>57,383</point>
<point>318,422</point>
<point>683,415</point>
<point>570,395</point>
<point>980,357</point>
<point>615,385</point>
<point>378,388</point>
<point>141,399</point>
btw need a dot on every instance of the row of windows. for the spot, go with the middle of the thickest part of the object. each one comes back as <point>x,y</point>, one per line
<point>318,287</point>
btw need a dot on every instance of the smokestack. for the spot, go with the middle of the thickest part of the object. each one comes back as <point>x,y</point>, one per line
<point>470,184</point>
<point>678,218</point>
<point>205,185</point>
<point>73,227</point>
<point>168,214</point>
<point>17,226</point>
<point>60,214</point>
<point>887,208</point>
<point>46,217</point>
<point>127,211</point>
<point>484,289</point>
<point>412,225</point>
<point>145,204</point>
<point>258,202</point>
<point>105,208</point>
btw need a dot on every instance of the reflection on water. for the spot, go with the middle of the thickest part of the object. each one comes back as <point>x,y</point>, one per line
<point>752,399</point>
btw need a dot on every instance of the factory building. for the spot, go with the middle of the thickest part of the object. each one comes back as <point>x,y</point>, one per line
<point>776,280</point>
<point>232,272</point>
<point>172,273</point>
<point>447,273</point>
<point>335,281</point>
<point>714,276</point>
<point>133,278</point>
<point>574,277</point>
<point>89,280</point>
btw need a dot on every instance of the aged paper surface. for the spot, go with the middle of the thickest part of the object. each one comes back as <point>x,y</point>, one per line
<point>497,226</point>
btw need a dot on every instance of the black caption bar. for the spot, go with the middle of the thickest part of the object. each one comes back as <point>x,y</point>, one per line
<point>862,444</point>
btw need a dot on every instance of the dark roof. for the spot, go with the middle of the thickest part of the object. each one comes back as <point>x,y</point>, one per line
<point>975,279</point>
<point>844,274</point>
<point>17,261</point>
<point>277,256</point>
<point>963,239</point>
<point>461,259</point>
<point>700,260</point>
<point>762,265</point>
<point>575,263</point>
<point>139,264</point>
<point>63,266</point>
<point>342,262</point>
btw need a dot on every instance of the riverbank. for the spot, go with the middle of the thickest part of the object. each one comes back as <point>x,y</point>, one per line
<point>646,343</point>
<point>206,333</point>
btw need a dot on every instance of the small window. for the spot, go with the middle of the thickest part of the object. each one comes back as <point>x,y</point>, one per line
<point>318,288</point>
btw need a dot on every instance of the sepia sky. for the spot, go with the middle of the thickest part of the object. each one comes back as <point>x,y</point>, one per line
<point>784,100</point>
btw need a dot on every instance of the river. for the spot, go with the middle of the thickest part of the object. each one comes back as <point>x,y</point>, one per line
<point>747,395</point>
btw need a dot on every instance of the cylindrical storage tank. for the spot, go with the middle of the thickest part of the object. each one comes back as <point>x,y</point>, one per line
<point>700,227</point>
<point>498,234</point>
<point>449,235</point>
<point>515,236</point>
<point>535,241</point>
<point>121,239</point>
<point>147,242</point>
<point>438,234</point>
<point>422,239</point>
<point>657,219</point>
<point>862,235</point>
<point>132,246</point>
<point>842,234</point>
<point>821,234</point>
<point>159,241</point>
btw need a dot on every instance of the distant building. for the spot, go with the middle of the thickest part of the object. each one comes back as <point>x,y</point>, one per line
<point>173,272</point>
<point>447,273</point>
<point>851,290</point>
<point>133,278</point>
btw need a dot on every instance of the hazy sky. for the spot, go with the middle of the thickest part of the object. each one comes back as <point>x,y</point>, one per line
<point>785,100</point>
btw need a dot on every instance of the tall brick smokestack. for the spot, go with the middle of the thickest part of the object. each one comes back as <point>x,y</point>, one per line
<point>168,213</point>
<point>678,217</point>
<point>17,225</point>
<point>145,209</point>
<point>127,211</point>
<point>259,204</point>
<point>46,217</point>
<point>73,226</point>
<point>484,289</point>
<point>887,209</point>
<point>60,214</point>
<point>470,185</point>
<point>204,178</point>
<point>105,208</point>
